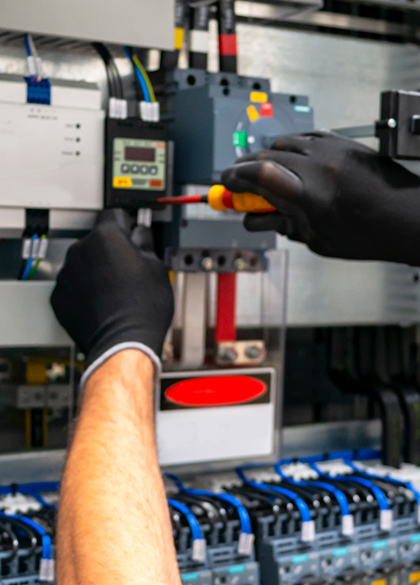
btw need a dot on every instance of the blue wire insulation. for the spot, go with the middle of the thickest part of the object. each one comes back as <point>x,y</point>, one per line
<point>28,46</point>
<point>139,75</point>
<point>30,261</point>
<point>377,492</point>
<point>45,538</point>
<point>301,504</point>
<point>338,494</point>
<point>393,480</point>
<point>229,499</point>
<point>191,519</point>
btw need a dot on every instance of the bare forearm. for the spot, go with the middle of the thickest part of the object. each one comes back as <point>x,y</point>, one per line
<point>114,525</point>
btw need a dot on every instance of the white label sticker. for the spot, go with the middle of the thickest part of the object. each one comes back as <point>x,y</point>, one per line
<point>51,570</point>
<point>347,525</point>
<point>308,531</point>
<point>246,544</point>
<point>386,520</point>
<point>199,550</point>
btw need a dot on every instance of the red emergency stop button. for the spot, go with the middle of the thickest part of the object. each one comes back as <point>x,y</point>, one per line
<point>266,110</point>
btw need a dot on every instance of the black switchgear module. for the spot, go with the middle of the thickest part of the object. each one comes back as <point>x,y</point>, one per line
<point>136,163</point>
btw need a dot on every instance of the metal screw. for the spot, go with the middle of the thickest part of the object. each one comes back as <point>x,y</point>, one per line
<point>253,352</point>
<point>239,264</point>
<point>228,354</point>
<point>392,123</point>
<point>207,263</point>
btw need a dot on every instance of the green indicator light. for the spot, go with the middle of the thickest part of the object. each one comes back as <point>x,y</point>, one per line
<point>380,544</point>
<point>240,138</point>
<point>305,109</point>
<point>341,552</point>
<point>299,558</point>
<point>237,568</point>
<point>189,577</point>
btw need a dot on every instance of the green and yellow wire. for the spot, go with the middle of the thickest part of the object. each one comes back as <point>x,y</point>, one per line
<point>143,71</point>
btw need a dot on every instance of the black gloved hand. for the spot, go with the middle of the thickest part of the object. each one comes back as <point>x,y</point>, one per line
<point>113,293</point>
<point>337,196</point>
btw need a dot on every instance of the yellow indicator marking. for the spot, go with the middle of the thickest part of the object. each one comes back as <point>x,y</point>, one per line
<point>258,96</point>
<point>252,113</point>
<point>121,182</point>
<point>379,582</point>
<point>414,577</point>
<point>178,37</point>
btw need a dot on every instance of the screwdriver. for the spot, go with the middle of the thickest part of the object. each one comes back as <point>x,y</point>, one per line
<point>221,199</point>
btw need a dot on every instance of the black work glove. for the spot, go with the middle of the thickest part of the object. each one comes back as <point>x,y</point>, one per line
<point>337,196</point>
<point>113,293</point>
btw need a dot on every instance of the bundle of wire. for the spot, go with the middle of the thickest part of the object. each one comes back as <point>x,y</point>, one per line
<point>34,61</point>
<point>33,262</point>
<point>142,76</point>
<point>115,88</point>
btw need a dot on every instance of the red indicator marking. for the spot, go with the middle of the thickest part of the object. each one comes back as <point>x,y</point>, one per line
<point>156,183</point>
<point>216,391</point>
<point>266,110</point>
<point>226,307</point>
<point>227,45</point>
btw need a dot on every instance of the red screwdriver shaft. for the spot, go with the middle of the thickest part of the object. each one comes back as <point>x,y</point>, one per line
<point>183,199</point>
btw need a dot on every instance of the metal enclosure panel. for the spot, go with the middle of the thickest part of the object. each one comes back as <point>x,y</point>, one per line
<point>26,317</point>
<point>132,22</point>
<point>343,78</point>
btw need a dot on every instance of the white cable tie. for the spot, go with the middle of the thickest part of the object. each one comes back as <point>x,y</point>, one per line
<point>155,112</point>
<point>43,248</point>
<point>246,543</point>
<point>26,248</point>
<point>39,69</point>
<point>385,520</point>
<point>146,111</point>
<point>31,66</point>
<point>44,570</point>
<point>347,525</point>
<point>199,550</point>
<point>117,108</point>
<point>51,570</point>
<point>144,217</point>
<point>308,531</point>
<point>35,248</point>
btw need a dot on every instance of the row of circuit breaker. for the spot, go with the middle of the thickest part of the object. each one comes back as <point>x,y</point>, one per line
<point>336,518</point>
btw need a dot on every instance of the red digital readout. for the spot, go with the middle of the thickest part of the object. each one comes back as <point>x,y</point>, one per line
<point>216,391</point>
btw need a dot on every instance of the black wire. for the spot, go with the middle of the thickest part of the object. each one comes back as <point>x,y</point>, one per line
<point>114,82</point>
<point>116,73</point>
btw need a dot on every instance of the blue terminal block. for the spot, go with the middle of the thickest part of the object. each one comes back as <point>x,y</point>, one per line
<point>39,92</point>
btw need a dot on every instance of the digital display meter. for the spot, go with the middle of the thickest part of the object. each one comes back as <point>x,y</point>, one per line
<point>136,163</point>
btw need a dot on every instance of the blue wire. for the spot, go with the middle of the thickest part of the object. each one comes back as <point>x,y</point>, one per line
<point>30,261</point>
<point>28,46</point>
<point>191,519</point>
<point>302,506</point>
<point>338,494</point>
<point>377,492</point>
<point>45,538</point>
<point>393,480</point>
<point>229,499</point>
<point>139,75</point>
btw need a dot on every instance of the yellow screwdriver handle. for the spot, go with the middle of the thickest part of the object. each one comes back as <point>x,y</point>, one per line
<point>220,198</point>
<point>251,203</point>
